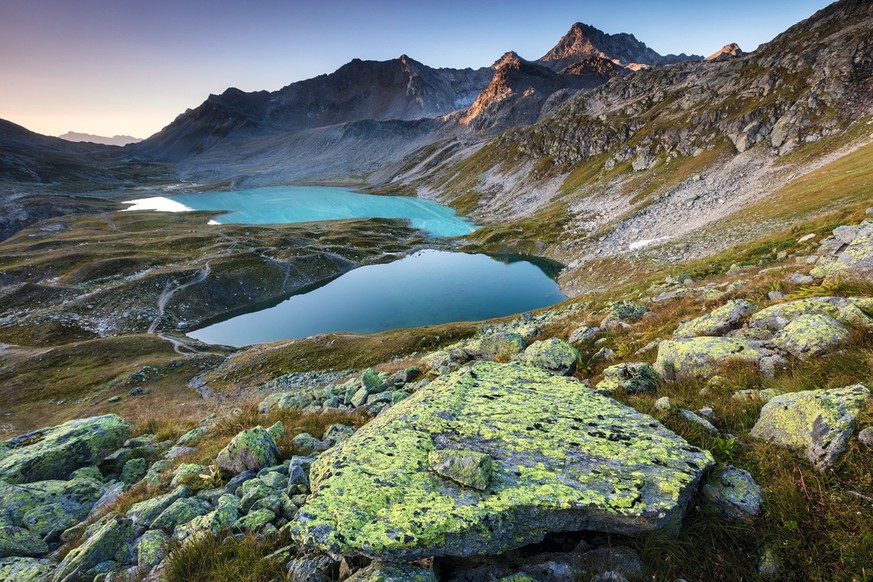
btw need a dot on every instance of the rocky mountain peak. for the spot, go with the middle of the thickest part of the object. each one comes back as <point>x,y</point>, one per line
<point>584,41</point>
<point>727,52</point>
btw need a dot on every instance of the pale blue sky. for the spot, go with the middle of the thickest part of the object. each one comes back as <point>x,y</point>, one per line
<point>130,66</point>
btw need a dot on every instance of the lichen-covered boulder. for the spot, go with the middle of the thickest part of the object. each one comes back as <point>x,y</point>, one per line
<point>388,572</point>
<point>145,512</point>
<point>251,449</point>
<point>106,545</point>
<point>633,378</point>
<point>553,355</point>
<point>735,493</point>
<point>564,458</point>
<point>811,335</point>
<point>54,453</point>
<point>502,346</point>
<point>776,317</point>
<point>17,541</point>
<point>817,423</point>
<point>624,311</point>
<point>313,569</point>
<point>24,569</point>
<point>254,521</point>
<point>151,549</point>
<point>47,508</point>
<point>134,470</point>
<point>180,512</point>
<point>701,356</point>
<point>467,468</point>
<point>717,322</point>
<point>583,334</point>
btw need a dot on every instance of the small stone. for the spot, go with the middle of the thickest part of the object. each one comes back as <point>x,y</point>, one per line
<point>308,442</point>
<point>254,521</point>
<point>468,468</point>
<point>735,492</point>
<point>583,334</point>
<point>192,436</point>
<point>633,378</point>
<point>688,415</point>
<point>865,437</point>
<point>800,279</point>
<point>662,403</point>
<point>776,295</point>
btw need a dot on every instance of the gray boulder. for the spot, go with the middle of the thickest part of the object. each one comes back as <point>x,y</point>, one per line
<point>564,458</point>
<point>633,378</point>
<point>252,449</point>
<point>735,493</point>
<point>553,355</point>
<point>718,322</point>
<point>817,423</point>
<point>106,545</point>
<point>17,541</point>
<point>54,453</point>
<point>811,335</point>
<point>24,569</point>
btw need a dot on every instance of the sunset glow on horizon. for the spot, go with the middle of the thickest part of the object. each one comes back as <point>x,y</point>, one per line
<point>106,67</point>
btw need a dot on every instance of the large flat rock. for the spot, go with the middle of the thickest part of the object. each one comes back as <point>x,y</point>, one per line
<point>564,458</point>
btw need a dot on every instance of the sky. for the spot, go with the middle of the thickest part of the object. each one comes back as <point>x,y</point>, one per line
<point>111,67</point>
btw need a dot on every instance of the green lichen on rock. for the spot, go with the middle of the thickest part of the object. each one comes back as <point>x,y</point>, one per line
<point>776,317</point>
<point>189,474</point>
<point>811,335</point>
<point>54,453</point>
<point>47,508</point>
<point>391,572</point>
<point>817,423</point>
<point>180,512</point>
<point>735,493</point>
<point>468,468</point>
<point>145,512</point>
<point>24,569</point>
<point>252,449</point>
<point>17,541</point>
<point>627,311</point>
<point>254,521</point>
<point>105,545</point>
<point>553,355</point>
<point>633,378</point>
<point>134,470</point>
<point>152,549</point>
<point>564,458</point>
<point>717,322</point>
<point>502,346</point>
<point>701,356</point>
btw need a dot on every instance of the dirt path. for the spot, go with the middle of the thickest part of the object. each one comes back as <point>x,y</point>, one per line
<point>169,291</point>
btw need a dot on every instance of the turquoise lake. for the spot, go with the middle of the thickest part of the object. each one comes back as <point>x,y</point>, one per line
<point>426,288</point>
<point>288,204</point>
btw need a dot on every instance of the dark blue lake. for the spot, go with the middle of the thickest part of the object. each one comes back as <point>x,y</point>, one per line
<point>287,204</point>
<point>426,288</point>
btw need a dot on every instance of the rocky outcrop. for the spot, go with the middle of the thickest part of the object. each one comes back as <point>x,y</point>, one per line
<point>54,453</point>
<point>563,458</point>
<point>726,53</point>
<point>816,423</point>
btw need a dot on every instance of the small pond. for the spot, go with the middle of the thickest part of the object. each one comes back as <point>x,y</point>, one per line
<point>427,288</point>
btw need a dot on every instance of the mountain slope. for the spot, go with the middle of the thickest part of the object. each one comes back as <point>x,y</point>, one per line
<point>116,140</point>
<point>665,152</point>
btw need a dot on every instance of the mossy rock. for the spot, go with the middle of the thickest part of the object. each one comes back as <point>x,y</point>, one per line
<point>553,355</point>
<point>17,541</point>
<point>252,449</point>
<point>152,549</point>
<point>105,545</point>
<point>817,423</point>
<point>627,311</point>
<point>54,453</point>
<point>633,378</point>
<point>24,569</point>
<point>811,335</point>
<point>735,493</point>
<point>145,512</point>
<point>47,508</point>
<point>467,468</point>
<point>388,572</point>
<point>701,356</point>
<point>564,459</point>
<point>180,512</point>
<point>254,521</point>
<point>776,317</point>
<point>502,346</point>
<point>134,470</point>
<point>717,322</point>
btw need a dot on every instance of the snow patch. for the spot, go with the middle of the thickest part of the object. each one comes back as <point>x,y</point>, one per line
<point>159,203</point>
<point>641,244</point>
